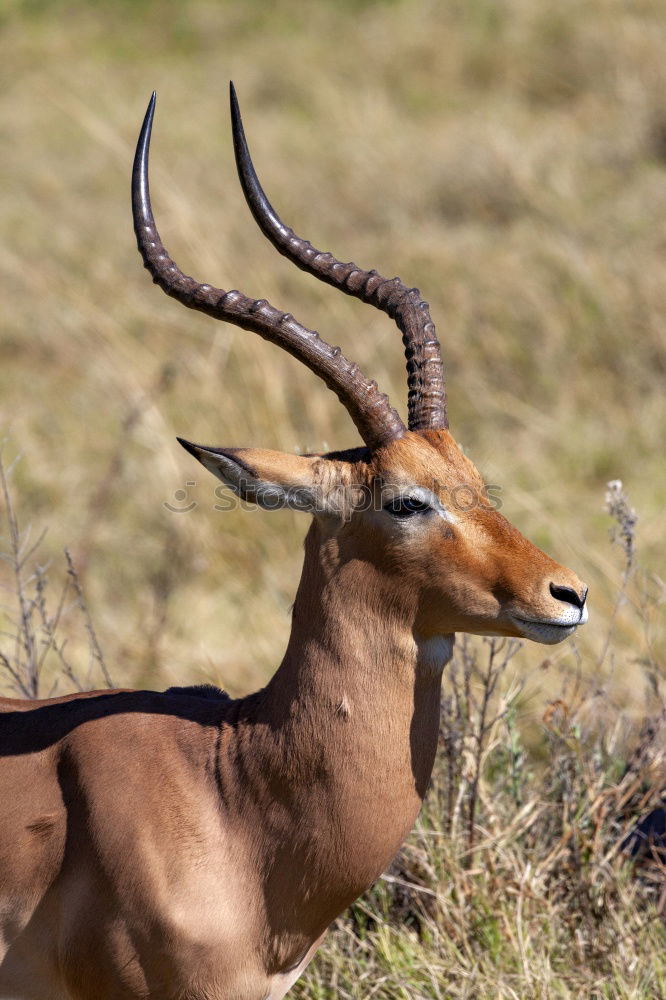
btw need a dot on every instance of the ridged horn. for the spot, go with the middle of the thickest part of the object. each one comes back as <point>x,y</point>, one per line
<point>426,390</point>
<point>377,422</point>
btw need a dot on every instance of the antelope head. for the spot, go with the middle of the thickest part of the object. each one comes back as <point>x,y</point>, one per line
<point>409,504</point>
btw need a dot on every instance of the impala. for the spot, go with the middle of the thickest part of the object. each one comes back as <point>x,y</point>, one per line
<point>187,846</point>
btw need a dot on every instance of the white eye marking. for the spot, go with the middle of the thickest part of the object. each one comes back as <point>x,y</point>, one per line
<point>417,495</point>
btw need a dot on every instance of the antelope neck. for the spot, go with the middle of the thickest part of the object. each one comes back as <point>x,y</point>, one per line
<point>343,736</point>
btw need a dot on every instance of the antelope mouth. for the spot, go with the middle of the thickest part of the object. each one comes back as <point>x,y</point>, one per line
<point>548,631</point>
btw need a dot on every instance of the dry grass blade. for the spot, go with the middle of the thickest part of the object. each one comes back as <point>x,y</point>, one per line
<point>34,655</point>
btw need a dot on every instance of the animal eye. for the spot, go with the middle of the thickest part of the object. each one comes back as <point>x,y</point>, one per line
<point>406,507</point>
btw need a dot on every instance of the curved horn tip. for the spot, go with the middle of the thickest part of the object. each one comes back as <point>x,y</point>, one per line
<point>141,210</point>
<point>146,129</point>
<point>263,212</point>
<point>236,120</point>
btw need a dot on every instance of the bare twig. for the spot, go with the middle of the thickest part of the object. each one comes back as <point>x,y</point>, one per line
<point>25,646</point>
<point>623,532</point>
<point>95,649</point>
<point>33,632</point>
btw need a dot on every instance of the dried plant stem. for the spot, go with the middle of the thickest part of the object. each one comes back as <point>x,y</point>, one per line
<point>26,651</point>
<point>95,649</point>
<point>624,532</point>
<point>34,630</point>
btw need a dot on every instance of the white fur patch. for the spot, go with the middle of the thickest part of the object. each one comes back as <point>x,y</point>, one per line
<point>343,708</point>
<point>435,653</point>
<point>283,981</point>
<point>550,631</point>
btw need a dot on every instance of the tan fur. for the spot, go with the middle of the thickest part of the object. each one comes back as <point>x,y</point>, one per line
<point>183,845</point>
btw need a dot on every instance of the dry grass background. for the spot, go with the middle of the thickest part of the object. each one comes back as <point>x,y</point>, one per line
<point>508,156</point>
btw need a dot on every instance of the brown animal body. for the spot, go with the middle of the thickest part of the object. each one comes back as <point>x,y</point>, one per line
<point>187,846</point>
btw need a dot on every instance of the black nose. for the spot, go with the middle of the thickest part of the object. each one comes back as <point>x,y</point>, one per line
<point>569,595</point>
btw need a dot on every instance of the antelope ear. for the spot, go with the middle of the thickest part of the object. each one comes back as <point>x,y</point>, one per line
<point>271,479</point>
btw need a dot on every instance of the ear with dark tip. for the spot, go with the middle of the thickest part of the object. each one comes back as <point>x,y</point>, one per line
<point>271,479</point>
